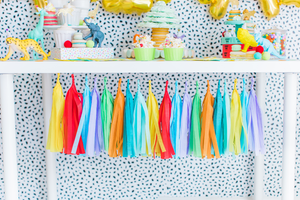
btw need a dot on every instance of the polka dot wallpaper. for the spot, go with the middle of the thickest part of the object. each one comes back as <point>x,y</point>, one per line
<point>146,178</point>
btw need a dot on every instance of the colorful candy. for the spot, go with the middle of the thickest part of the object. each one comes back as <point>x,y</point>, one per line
<point>278,39</point>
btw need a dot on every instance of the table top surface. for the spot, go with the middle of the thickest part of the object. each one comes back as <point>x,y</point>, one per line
<point>52,66</point>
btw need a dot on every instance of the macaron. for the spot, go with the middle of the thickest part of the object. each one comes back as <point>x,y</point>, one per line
<point>78,43</point>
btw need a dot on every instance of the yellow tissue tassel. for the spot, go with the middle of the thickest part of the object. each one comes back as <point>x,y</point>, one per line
<point>157,144</point>
<point>55,135</point>
<point>236,122</point>
<point>208,135</point>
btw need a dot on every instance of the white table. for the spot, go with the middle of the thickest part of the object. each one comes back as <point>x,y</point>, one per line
<point>7,69</point>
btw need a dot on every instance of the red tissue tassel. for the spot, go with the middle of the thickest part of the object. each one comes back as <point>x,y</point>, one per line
<point>164,124</point>
<point>71,118</point>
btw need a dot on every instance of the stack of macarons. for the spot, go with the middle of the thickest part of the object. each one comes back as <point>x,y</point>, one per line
<point>51,18</point>
<point>78,42</point>
<point>233,14</point>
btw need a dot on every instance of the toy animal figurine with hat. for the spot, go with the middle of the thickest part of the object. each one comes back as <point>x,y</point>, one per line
<point>18,45</point>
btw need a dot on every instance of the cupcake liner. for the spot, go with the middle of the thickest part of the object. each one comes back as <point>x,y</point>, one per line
<point>173,54</point>
<point>144,54</point>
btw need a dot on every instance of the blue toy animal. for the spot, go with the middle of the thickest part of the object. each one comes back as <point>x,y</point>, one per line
<point>97,35</point>
<point>267,45</point>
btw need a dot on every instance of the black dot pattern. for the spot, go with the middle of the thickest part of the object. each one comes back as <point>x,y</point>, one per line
<point>146,178</point>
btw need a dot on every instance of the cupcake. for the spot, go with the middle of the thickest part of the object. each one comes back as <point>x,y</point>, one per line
<point>144,49</point>
<point>173,48</point>
<point>50,19</point>
<point>78,41</point>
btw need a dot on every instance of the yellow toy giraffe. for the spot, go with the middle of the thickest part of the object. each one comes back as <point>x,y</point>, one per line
<point>18,45</point>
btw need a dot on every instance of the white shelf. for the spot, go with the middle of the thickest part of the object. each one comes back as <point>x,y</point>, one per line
<point>58,26</point>
<point>52,66</point>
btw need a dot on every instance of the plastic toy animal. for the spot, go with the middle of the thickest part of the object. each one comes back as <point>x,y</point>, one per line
<point>16,44</point>
<point>234,2</point>
<point>97,35</point>
<point>267,45</point>
<point>246,38</point>
<point>247,15</point>
<point>37,33</point>
<point>93,13</point>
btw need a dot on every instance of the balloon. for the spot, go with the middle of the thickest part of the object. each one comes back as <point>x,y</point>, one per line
<point>175,120</point>
<point>208,135</point>
<point>127,6</point>
<point>55,135</point>
<point>116,132</point>
<point>218,8</point>
<point>157,144</point>
<point>290,2</point>
<point>194,147</point>
<point>164,122</point>
<point>205,1</point>
<point>270,8</point>
<point>185,124</point>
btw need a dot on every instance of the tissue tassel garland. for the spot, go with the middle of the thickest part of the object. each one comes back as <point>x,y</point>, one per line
<point>83,128</point>
<point>137,128</point>
<point>107,105</point>
<point>141,130</point>
<point>218,111</point>
<point>164,122</point>
<point>56,129</point>
<point>95,141</point>
<point>157,144</point>
<point>255,125</point>
<point>208,135</point>
<point>116,131</point>
<point>185,124</point>
<point>244,105</point>
<point>195,148</point>
<point>175,120</point>
<point>128,139</point>
<point>226,122</point>
<point>72,114</point>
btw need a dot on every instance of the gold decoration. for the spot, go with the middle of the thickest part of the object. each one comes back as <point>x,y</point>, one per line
<point>290,2</point>
<point>270,8</point>
<point>93,13</point>
<point>127,6</point>
<point>247,15</point>
<point>218,8</point>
